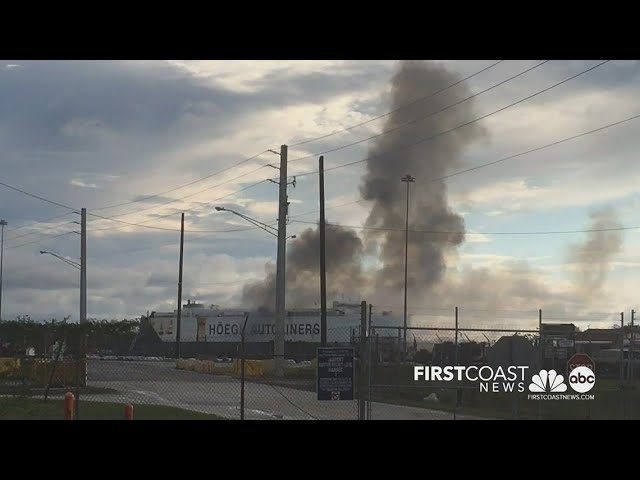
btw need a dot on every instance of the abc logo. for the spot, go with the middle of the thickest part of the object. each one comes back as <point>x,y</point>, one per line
<point>582,379</point>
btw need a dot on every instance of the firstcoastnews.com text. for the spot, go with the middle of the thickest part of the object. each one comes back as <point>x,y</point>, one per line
<point>555,396</point>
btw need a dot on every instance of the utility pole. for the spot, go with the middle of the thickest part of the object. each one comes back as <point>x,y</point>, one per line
<point>323,265</point>
<point>2,224</point>
<point>408,179</point>
<point>283,207</point>
<point>362,362</point>
<point>179,319</point>
<point>81,353</point>
<point>622,335</point>
<point>632,347</point>
<point>83,266</point>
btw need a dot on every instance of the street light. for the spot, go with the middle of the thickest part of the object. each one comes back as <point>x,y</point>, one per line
<point>267,228</point>
<point>2,224</point>
<point>280,314</point>
<point>65,260</point>
<point>408,179</point>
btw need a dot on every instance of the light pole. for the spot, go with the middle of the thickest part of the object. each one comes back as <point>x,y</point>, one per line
<point>65,260</point>
<point>408,179</point>
<point>77,266</point>
<point>267,228</point>
<point>2,224</point>
<point>280,314</point>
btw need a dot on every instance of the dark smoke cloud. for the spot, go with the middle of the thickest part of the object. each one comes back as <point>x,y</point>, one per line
<point>592,257</point>
<point>344,274</point>
<point>429,209</point>
<point>428,206</point>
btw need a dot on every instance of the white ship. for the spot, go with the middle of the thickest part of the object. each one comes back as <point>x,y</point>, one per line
<point>201,323</point>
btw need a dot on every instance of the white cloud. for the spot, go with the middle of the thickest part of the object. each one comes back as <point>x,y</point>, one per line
<point>77,182</point>
<point>472,237</point>
<point>191,143</point>
<point>509,195</point>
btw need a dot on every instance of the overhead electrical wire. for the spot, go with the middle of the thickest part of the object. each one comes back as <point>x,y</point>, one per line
<point>442,232</point>
<point>339,148</point>
<point>38,231</point>
<point>483,165</point>
<point>422,140</point>
<point>19,190</point>
<point>418,100</point>
<point>39,240</point>
<point>309,173</point>
<point>171,214</point>
<point>186,184</point>
<point>419,119</point>
<point>38,222</point>
<point>193,194</point>
<point>265,151</point>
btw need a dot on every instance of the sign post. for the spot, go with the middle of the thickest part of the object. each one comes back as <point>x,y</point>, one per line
<point>335,372</point>
<point>580,360</point>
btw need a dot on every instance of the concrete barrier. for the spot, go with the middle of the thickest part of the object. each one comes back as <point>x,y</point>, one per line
<point>253,368</point>
<point>9,366</point>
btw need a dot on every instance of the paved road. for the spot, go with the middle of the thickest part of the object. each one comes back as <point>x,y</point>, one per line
<point>160,383</point>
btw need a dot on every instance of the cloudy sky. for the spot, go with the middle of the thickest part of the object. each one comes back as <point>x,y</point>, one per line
<point>99,134</point>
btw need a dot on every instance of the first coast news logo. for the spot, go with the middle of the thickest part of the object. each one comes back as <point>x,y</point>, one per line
<point>545,385</point>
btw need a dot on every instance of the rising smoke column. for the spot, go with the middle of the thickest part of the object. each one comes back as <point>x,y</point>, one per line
<point>344,274</point>
<point>381,185</point>
<point>592,258</point>
<point>429,160</point>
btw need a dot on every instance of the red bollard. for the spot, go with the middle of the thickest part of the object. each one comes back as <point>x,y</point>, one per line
<point>69,399</point>
<point>128,411</point>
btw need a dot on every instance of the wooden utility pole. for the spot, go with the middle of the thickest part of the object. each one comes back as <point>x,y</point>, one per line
<point>323,265</point>
<point>179,319</point>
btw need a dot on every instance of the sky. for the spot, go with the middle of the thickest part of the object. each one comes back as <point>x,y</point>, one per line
<point>98,134</point>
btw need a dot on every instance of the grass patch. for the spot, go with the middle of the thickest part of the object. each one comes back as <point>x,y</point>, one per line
<point>36,409</point>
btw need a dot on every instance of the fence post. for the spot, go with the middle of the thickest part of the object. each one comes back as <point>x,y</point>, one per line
<point>242,361</point>
<point>77,372</point>
<point>632,378</point>
<point>623,402</point>
<point>128,411</point>
<point>369,365</point>
<point>455,399</point>
<point>361,355</point>
<point>68,406</point>
<point>514,393</point>
<point>540,354</point>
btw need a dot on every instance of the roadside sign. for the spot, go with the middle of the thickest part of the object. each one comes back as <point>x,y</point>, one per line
<point>565,343</point>
<point>335,372</point>
<point>580,360</point>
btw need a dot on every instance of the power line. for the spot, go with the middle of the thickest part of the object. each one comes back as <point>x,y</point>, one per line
<point>171,214</point>
<point>418,100</point>
<point>39,231</point>
<point>37,197</point>
<point>186,185</point>
<point>510,157</point>
<point>548,232</point>
<point>39,221</point>
<point>193,194</point>
<point>416,120</point>
<point>39,240</point>
<point>459,126</point>
<point>309,173</point>
<point>307,141</point>
<point>137,200</point>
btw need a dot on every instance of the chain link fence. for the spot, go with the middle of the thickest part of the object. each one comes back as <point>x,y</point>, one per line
<point>207,380</point>
<point>484,344</point>
<point>217,379</point>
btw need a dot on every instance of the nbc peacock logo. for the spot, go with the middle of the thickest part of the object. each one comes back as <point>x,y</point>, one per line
<point>547,381</point>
